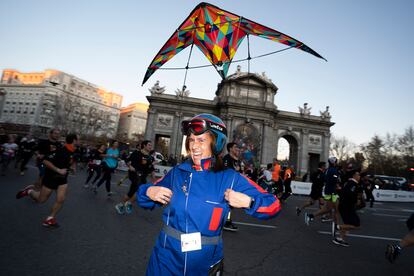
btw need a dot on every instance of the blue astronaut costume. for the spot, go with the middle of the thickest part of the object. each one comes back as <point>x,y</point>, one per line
<point>198,206</point>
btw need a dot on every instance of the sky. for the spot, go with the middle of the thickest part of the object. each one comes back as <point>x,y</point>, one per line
<point>366,81</point>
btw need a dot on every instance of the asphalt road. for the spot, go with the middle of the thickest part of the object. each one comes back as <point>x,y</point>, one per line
<point>94,240</point>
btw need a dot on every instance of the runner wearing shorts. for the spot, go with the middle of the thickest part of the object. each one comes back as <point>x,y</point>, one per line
<point>331,197</point>
<point>318,181</point>
<point>140,164</point>
<point>347,208</point>
<point>394,250</point>
<point>57,164</point>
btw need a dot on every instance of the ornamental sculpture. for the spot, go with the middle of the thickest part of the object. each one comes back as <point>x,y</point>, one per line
<point>183,92</point>
<point>325,115</point>
<point>305,110</point>
<point>157,89</point>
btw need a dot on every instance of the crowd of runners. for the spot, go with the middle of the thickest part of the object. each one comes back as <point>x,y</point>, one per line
<point>339,193</point>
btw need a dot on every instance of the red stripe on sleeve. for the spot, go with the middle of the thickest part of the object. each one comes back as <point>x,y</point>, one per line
<point>270,210</point>
<point>260,189</point>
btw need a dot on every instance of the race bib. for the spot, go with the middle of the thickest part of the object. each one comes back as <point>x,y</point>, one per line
<point>190,242</point>
<point>97,162</point>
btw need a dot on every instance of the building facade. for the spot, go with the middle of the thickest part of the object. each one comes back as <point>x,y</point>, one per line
<point>36,102</point>
<point>245,102</point>
<point>132,121</point>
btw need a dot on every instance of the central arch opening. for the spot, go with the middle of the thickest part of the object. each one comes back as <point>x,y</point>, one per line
<point>287,151</point>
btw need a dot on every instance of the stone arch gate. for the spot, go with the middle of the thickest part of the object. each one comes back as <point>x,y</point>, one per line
<point>245,102</point>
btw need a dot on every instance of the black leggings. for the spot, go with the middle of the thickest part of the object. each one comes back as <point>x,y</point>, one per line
<point>288,189</point>
<point>106,177</point>
<point>137,179</point>
<point>92,169</point>
<point>25,159</point>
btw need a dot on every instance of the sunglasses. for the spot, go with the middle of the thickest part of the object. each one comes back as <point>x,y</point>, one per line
<point>199,126</point>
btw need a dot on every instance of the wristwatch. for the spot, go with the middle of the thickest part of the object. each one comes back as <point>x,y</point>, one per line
<point>251,203</point>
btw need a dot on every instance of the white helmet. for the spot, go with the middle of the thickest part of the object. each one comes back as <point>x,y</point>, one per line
<point>332,160</point>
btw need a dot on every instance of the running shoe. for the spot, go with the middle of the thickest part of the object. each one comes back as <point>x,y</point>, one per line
<point>128,208</point>
<point>24,192</point>
<point>229,226</point>
<point>22,173</point>
<point>324,219</point>
<point>334,228</point>
<point>298,211</point>
<point>308,218</point>
<point>120,208</point>
<point>109,194</point>
<point>50,222</point>
<point>340,242</point>
<point>392,252</point>
<point>86,186</point>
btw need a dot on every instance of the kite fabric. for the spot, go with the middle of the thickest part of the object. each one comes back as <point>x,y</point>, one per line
<point>218,34</point>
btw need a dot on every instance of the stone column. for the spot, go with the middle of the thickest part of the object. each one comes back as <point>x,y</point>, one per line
<point>303,154</point>
<point>176,143</point>
<point>325,146</point>
<point>268,139</point>
<point>228,121</point>
<point>151,122</point>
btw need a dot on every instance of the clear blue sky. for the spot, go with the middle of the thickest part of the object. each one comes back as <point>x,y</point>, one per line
<point>368,45</point>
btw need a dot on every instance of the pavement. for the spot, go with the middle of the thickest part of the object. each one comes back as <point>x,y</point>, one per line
<point>94,240</point>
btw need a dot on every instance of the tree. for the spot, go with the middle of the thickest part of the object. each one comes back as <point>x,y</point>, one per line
<point>374,152</point>
<point>342,148</point>
<point>406,142</point>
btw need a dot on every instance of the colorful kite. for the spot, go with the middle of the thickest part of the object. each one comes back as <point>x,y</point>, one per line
<point>218,34</point>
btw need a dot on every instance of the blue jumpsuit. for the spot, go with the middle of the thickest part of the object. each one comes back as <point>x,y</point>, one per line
<point>198,205</point>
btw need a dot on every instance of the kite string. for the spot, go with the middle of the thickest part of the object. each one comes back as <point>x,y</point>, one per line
<point>186,68</point>
<point>234,61</point>
<point>248,75</point>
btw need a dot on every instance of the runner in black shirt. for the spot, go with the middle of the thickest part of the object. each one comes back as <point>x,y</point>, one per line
<point>347,208</point>
<point>43,148</point>
<point>318,181</point>
<point>27,148</point>
<point>140,164</point>
<point>394,250</point>
<point>57,163</point>
<point>95,165</point>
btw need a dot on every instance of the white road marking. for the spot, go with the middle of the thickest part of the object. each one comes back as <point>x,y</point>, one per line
<point>387,215</point>
<point>253,224</point>
<point>363,236</point>
<point>391,210</point>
